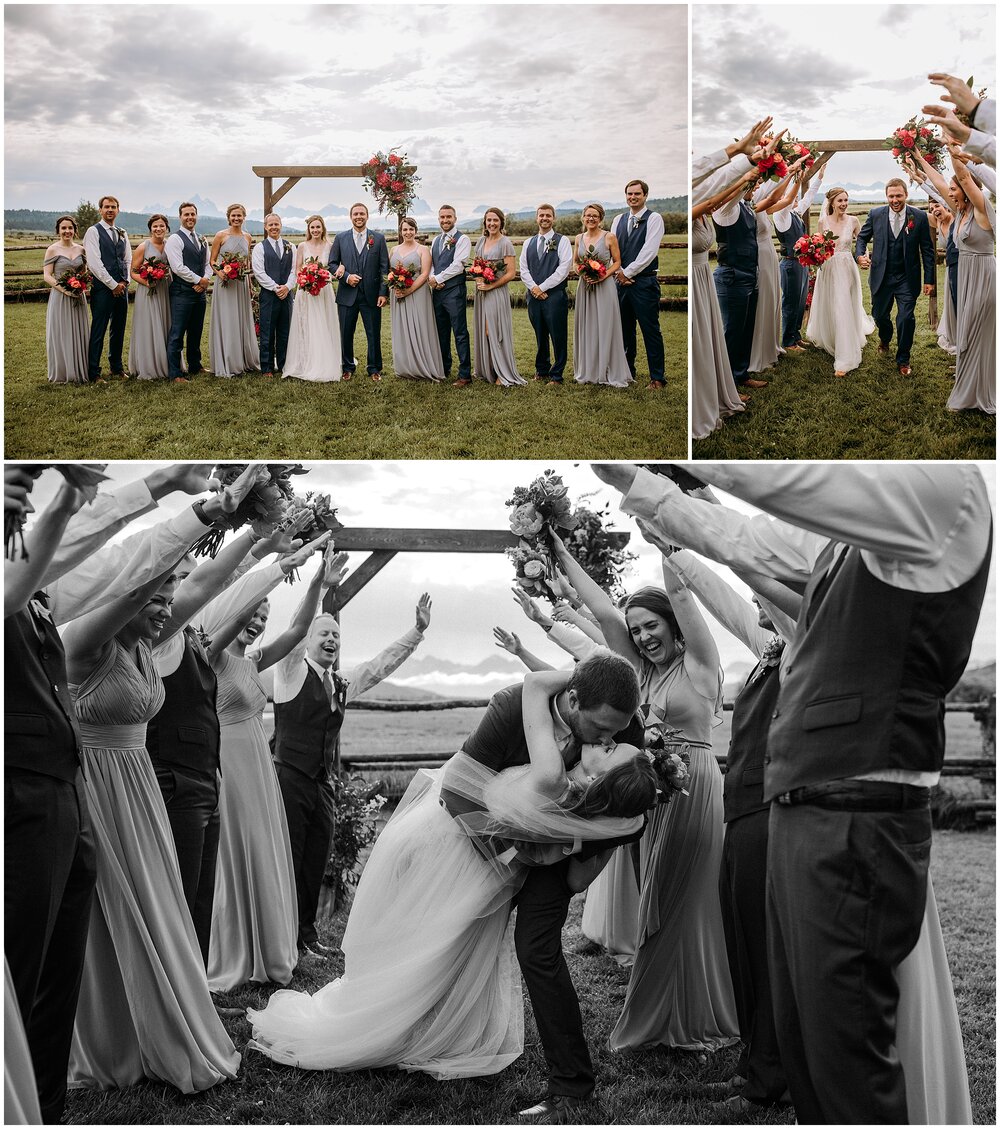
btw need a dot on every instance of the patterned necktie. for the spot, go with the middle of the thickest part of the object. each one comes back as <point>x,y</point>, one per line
<point>328,687</point>
<point>633,223</point>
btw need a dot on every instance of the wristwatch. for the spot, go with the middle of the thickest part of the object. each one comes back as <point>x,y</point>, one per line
<point>199,513</point>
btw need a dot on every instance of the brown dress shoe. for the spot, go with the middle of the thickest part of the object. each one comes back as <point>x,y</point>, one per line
<point>755,383</point>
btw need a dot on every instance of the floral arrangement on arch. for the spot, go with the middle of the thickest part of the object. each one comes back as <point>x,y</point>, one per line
<point>916,136</point>
<point>268,501</point>
<point>386,178</point>
<point>355,826</point>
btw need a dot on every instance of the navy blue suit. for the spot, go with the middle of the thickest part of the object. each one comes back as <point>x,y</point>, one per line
<point>895,272</point>
<point>372,264</point>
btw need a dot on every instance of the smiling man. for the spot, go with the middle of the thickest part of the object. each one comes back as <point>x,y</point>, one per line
<point>310,698</point>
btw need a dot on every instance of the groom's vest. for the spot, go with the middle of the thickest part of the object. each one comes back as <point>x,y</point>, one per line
<point>113,254</point>
<point>863,688</point>
<point>441,259</point>
<point>193,258</point>
<point>738,242</point>
<point>306,728</point>
<point>631,245</point>
<point>277,267</point>
<point>796,229</point>
<point>895,263</point>
<point>541,266</point>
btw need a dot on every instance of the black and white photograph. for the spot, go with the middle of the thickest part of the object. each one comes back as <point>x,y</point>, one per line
<point>519,792</point>
<point>346,231</point>
<point>844,232</point>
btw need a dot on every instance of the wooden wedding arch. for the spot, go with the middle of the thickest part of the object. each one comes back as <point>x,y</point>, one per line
<point>294,173</point>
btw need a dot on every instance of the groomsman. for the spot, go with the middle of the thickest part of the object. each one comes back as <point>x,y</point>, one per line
<point>361,259</point>
<point>736,284</point>
<point>449,252</point>
<point>191,276</point>
<point>109,258</point>
<point>639,232</point>
<point>310,699</point>
<point>273,262</point>
<point>545,262</point>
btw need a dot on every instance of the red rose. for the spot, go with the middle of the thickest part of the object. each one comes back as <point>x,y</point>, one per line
<point>383,179</point>
<point>895,152</point>
<point>397,186</point>
<point>394,159</point>
<point>909,226</point>
<point>924,132</point>
<point>488,275</point>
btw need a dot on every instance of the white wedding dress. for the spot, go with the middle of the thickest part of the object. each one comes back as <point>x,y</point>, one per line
<point>838,323</point>
<point>431,980</point>
<point>314,336</point>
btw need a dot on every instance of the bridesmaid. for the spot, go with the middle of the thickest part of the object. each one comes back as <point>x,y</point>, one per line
<point>67,326</point>
<point>494,324</point>
<point>232,340</point>
<point>145,1009</point>
<point>314,335</point>
<point>147,350</point>
<point>598,345</point>
<point>416,351</point>
<point>975,335</point>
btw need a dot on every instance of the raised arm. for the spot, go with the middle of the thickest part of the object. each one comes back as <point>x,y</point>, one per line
<point>371,673</point>
<point>970,186</point>
<point>330,573</point>
<point>548,771</point>
<point>23,575</point>
<point>513,645</point>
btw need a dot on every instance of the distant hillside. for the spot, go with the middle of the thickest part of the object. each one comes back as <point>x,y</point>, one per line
<point>27,219</point>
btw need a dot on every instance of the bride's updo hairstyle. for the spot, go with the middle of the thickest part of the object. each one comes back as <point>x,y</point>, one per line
<point>832,195</point>
<point>626,791</point>
<point>655,600</point>
<point>322,221</point>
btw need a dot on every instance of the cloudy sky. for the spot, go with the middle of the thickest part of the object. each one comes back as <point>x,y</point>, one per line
<point>831,72</point>
<point>496,103</point>
<point>470,592</point>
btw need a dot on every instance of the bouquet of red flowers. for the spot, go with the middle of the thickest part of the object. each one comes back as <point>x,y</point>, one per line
<point>593,270</point>
<point>75,280</point>
<point>313,277</point>
<point>791,149</point>
<point>400,277</point>
<point>813,250</point>
<point>916,136</point>
<point>153,271</point>
<point>489,270</point>
<point>266,501</point>
<point>231,266</point>
<point>772,167</point>
<point>83,476</point>
<point>387,179</point>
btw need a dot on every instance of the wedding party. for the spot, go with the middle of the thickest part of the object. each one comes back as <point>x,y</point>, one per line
<point>189,647</point>
<point>480,249</point>
<point>813,282</point>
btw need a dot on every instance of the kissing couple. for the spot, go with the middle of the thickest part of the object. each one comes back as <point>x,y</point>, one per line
<point>524,816</point>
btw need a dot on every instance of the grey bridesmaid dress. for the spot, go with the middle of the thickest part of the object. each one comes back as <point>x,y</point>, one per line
<point>232,341</point>
<point>416,350</point>
<point>67,329</point>
<point>975,337</point>
<point>494,326</point>
<point>147,350</point>
<point>598,345</point>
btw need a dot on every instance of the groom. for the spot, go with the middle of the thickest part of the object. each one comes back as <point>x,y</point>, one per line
<point>360,260</point>
<point>599,704</point>
<point>902,240</point>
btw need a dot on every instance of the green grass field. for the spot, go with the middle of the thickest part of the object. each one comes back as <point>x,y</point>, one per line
<point>250,417</point>
<point>634,1088</point>
<point>872,413</point>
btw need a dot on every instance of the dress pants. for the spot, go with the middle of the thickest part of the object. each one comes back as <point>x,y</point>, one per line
<point>737,292</point>
<point>640,303</point>
<point>371,318</point>
<point>309,807</point>
<point>105,310</point>
<point>192,801</point>
<point>542,905</point>
<point>794,289</point>
<point>549,319</point>
<point>743,895</point>
<point>187,319</point>
<point>450,315</point>
<point>275,322</point>
<point>846,893</point>
<point>895,288</point>
<point>49,876</point>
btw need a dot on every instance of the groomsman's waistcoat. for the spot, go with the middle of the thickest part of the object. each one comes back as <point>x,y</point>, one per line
<point>186,730</point>
<point>442,257</point>
<point>738,242</point>
<point>863,687</point>
<point>743,784</point>
<point>306,728</point>
<point>40,728</point>
<point>631,245</point>
<point>277,267</point>
<point>541,266</point>
<point>194,258</point>
<point>113,254</point>
<point>796,229</point>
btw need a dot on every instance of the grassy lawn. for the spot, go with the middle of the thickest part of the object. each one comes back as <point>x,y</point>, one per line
<point>872,413</point>
<point>654,1087</point>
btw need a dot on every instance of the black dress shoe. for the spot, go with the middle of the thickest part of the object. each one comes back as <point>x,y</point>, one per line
<point>323,950</point>
<point>559,1109</point>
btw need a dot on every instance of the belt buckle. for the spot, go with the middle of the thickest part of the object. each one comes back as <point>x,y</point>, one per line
<point>784,797</point>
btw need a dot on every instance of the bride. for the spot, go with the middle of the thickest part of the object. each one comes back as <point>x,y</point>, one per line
<point>837,320</point>
<point>314,336</point>
<point>431,982</point>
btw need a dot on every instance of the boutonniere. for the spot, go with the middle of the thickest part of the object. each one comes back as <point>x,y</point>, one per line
<point>203,638</point>
<point>371,242</point>
<point>910,225</point>
<point>39,610</point>
<point>771,655</point>
<point>550,244</point>
<point>449,242</point>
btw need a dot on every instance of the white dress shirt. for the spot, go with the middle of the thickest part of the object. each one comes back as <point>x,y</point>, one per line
<point>561,272</point>
<point>290,672</point>
<point>982,145</point>
<point>722,178</point>
<point>175,252</point>
<point>92,246</point>
<point>703,167</point>
<point>783,218</point>
<point>986,176</point>
<point>257,264</point>
<point>572,640</point>
<point>463,251</point>
<point>651,248</point>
